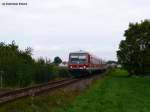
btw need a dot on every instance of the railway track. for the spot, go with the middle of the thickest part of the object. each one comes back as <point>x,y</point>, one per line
<point>34,90</point>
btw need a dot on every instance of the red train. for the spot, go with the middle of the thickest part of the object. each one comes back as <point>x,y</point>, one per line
<point>82,61</point>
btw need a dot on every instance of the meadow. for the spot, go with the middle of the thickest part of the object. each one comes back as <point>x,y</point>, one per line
<point>115,92</point>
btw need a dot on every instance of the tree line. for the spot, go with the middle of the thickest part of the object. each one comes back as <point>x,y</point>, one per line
<point>19,69</point>
<point>134,51</point>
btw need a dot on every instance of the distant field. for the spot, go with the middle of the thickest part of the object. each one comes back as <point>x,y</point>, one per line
<point>117,93</point>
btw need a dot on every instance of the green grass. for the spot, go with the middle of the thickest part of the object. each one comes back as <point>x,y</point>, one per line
<point>46,103</point>
<point>116,93</point>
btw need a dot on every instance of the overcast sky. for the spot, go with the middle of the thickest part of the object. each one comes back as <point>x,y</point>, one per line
<point>57,27</point>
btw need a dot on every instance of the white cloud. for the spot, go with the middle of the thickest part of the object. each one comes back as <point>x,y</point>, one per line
<point>57,27</point>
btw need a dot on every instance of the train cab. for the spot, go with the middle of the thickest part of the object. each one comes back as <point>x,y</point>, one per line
<point>84,62</point>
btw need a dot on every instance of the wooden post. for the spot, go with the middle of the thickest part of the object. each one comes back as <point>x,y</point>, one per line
<point>1,78</point>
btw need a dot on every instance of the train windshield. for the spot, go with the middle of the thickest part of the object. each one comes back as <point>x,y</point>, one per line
<point>78,58</point>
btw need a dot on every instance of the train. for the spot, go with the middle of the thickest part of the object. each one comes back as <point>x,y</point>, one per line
<point>83,63</point>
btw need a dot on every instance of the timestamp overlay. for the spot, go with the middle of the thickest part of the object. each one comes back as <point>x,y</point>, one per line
<point>13,3</point>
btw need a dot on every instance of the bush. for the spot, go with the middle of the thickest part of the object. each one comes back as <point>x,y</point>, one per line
<point>134,51</point>
<point>60,72</point>
<point>19,69</point>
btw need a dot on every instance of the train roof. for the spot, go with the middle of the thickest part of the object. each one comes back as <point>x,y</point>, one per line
<point>80,51</point>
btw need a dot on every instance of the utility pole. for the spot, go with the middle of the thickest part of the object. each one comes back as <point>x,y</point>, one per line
<point>1,78</point>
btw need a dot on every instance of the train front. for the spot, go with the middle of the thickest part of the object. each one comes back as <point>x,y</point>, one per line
<point>78,63</point>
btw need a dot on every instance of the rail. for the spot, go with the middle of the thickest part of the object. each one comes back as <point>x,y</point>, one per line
<point>34,90</point>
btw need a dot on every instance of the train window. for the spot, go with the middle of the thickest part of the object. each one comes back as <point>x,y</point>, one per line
<point>74,60</point>
<point>78,58</point>
<point>82,57</point>
<point>74,56</point>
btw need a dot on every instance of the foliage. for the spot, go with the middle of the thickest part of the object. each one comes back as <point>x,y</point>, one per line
<point>19,69</point>
<point>116,93</point>
<point>134,51</point>
<point>111,62</point>
<point>57,60</point>
<point>47,103</point>
<point>61,72</point>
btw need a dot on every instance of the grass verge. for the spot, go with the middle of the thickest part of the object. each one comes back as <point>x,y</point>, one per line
<point>45,103</point>
<point>117,93</point>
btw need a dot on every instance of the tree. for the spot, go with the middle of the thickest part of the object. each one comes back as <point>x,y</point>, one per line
<point>28,51</point>
<point>134,51</point>
<point>57,60</point>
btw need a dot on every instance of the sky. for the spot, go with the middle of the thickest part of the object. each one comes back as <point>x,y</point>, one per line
<point>58,27</point>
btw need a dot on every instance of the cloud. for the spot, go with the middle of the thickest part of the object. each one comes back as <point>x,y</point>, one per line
<point>57,27</point>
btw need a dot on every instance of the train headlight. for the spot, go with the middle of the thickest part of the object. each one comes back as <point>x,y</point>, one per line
<point>70,66</point>
<point>84,66</point>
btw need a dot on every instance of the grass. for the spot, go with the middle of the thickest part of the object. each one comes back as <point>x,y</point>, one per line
<point>117,93</point>
<point>46,103</point>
